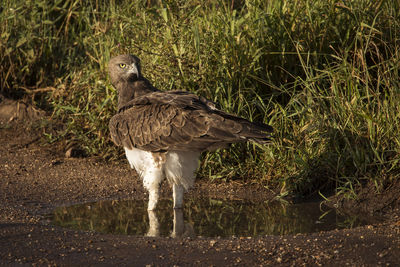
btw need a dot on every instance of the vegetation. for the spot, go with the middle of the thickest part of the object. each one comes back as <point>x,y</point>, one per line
<point>324,74</point>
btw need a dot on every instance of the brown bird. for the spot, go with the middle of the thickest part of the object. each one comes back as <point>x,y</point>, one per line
<point>164,133</point>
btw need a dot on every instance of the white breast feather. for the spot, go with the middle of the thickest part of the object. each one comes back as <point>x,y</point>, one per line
<point>179,167</point>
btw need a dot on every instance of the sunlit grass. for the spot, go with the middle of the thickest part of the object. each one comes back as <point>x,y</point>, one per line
<point>325,74</point>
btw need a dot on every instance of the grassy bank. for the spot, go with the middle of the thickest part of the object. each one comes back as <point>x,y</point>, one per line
<point>325,74</point>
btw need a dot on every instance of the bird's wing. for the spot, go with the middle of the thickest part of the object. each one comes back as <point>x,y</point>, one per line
<point>162,121</point>
<point>177,98</point>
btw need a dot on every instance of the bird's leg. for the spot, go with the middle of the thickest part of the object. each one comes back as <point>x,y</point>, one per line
<point>151,182</point>
<point>154,225</point>
<point>178,191</point>
<point>179,224</point>
<point>153,198</point>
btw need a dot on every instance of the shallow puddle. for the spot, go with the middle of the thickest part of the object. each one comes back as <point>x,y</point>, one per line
<point>202,217</point>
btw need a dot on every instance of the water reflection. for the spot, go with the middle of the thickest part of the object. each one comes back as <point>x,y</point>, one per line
<point>180,228</point>
<point>202,217</point>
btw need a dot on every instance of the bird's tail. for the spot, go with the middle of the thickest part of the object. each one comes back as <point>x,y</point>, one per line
<point>257,132</point>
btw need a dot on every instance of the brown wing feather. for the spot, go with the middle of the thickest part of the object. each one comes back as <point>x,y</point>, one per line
<point>162,121</point>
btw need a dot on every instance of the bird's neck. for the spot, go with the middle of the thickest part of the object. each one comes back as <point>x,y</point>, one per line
<point>128,91</point>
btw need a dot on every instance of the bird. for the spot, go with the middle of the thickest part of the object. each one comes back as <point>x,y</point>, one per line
<point>164,133</point>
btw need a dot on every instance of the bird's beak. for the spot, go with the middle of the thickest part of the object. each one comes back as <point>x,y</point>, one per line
<point>133,72</point>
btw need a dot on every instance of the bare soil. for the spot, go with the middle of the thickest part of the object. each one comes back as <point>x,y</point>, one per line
<point>35,179</point>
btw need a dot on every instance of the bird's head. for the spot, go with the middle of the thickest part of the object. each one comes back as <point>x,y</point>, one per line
<point>124,68</point>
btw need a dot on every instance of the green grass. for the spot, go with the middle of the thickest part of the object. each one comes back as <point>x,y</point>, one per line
<point>325,74</point>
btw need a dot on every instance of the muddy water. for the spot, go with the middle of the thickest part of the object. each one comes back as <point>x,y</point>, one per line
<point>202,217</point>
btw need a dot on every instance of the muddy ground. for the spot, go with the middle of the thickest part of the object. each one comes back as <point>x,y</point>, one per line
<point>34,179</point>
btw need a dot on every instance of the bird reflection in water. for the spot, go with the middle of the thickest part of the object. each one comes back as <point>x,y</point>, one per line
<point>203,217</point>
<point>180,228</point>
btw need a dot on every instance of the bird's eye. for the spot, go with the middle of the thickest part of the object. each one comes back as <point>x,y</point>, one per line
<point>122,65</point>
